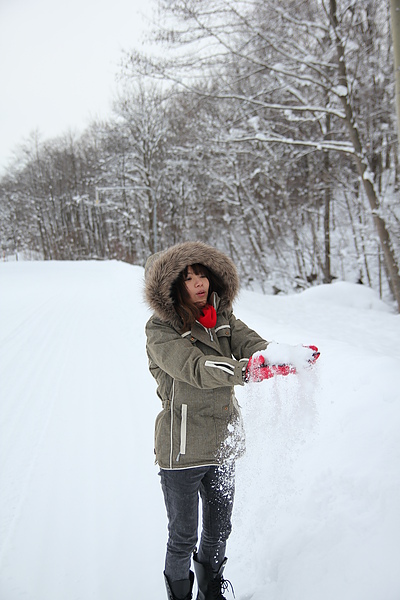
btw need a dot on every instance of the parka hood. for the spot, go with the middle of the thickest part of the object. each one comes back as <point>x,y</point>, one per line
<point>163,268</point>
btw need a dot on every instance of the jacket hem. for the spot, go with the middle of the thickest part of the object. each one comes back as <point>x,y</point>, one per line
<point>196,466</point>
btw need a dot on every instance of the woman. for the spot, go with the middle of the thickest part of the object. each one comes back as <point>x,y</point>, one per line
<point>198,351</point>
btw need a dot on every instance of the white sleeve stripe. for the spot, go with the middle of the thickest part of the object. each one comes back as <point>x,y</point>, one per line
<point>226,367</point>
<point>222,327</point>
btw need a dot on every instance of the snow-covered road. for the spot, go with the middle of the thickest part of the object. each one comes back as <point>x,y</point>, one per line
<point>81,513</point>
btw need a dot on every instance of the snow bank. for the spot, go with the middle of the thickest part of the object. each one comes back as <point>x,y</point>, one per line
<point>342,293</point>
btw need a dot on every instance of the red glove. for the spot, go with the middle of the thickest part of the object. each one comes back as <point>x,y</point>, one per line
<point>257,370</point>
<point>315,355</point>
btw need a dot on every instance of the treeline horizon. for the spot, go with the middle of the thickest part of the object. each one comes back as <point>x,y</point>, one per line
<point>267,131</point>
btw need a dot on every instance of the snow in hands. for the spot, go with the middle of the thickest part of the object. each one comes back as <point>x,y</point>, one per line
<point>280,359</point>
<point>298,356</point>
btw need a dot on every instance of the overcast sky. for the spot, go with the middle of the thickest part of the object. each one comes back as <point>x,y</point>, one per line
<point>58,61</point>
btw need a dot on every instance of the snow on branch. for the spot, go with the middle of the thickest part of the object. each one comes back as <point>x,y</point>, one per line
<point>338,146</point>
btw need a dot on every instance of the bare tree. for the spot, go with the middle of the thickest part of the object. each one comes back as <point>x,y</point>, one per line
<point>361,160</point>
<point>294,70</point>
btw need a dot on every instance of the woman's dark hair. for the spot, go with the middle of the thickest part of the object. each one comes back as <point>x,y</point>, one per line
<point>185,308</point>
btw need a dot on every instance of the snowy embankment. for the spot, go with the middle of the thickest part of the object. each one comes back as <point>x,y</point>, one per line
<point>81,513</point>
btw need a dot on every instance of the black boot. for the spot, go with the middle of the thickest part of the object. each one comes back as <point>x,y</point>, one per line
<point>211,584</point>
<point>180,590</point>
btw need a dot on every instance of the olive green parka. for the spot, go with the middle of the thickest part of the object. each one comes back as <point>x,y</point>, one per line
<point>196,371</point>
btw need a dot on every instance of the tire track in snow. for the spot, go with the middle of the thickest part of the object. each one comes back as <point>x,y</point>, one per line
<point>78,448</point>
<point>30,423</point>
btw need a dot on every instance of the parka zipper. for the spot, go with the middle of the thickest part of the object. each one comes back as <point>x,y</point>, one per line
<point>172,422</point>
<point>208,331</point>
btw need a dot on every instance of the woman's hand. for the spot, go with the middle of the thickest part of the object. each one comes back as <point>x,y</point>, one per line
<point>258,369</point>
<point>279,359</point>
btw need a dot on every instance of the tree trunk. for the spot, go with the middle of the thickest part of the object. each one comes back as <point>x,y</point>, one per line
<point>327,209</point>
<point>395,21</point>
<point>327,233</point>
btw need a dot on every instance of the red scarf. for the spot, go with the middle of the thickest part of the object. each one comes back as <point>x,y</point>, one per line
<point>209,317</point>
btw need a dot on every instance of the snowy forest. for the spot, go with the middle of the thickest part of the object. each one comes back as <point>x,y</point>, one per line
<point>265,128</point>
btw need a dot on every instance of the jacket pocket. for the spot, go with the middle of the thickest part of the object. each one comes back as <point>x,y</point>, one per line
<point>182,449</point>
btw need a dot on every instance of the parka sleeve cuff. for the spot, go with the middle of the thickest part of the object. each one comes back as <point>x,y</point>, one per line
<point>234,369</point>
<point>244,362</point>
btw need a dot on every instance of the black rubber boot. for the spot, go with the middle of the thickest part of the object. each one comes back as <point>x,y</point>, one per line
<point>180,590</point>
<point>211,584</point>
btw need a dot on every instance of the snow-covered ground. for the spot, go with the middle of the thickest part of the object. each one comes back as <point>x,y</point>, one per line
<point>317,513</point>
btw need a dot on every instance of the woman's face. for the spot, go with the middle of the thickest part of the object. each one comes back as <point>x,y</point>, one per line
<point>197,287</point>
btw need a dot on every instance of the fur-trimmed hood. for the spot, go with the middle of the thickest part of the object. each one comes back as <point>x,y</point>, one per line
<point>163,268</point>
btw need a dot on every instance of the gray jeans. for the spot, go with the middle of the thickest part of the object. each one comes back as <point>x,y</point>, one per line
<point>182,488</point>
